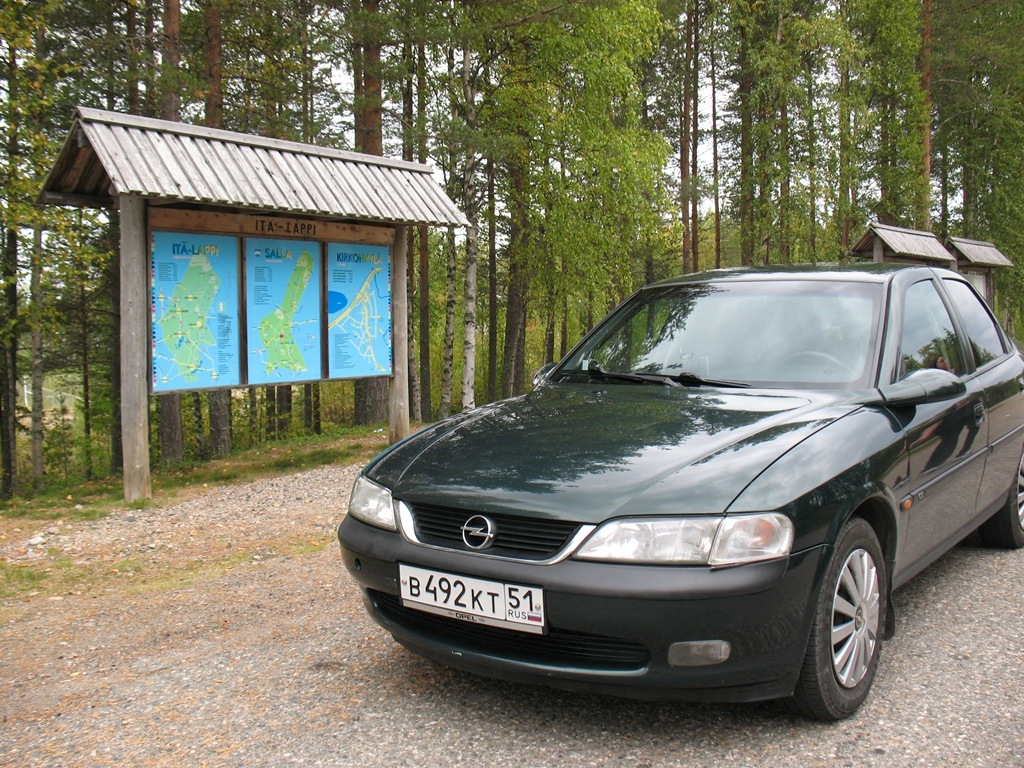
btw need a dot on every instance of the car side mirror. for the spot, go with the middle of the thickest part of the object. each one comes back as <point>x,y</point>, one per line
<point>542,375</point>
<point>928,385</point>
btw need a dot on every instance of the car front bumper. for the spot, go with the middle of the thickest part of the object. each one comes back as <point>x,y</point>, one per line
<point>612,628</point>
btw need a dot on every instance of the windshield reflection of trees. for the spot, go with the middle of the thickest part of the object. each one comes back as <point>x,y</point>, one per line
<point>784,332</point>
<point>657,317</point>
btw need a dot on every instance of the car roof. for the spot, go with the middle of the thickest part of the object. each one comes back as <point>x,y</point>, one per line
<point>868,272</point>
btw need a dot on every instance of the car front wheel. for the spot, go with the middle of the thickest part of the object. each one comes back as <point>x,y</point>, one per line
<point>845,642</point>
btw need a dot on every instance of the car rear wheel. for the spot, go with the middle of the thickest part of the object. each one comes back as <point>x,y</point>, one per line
<point>845,642</point>
<point>1006,527</point>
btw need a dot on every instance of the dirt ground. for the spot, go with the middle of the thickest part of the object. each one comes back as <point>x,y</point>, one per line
<point>222,630</point>
<point>230,568</point>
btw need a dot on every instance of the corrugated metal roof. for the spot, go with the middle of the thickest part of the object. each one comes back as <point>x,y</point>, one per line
<point>109,153</point>
<point>979,252</point>
<point>900,242</point>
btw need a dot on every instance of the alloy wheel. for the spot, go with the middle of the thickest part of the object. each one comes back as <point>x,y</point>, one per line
<point>856,616</point>
<point>1020,494</point>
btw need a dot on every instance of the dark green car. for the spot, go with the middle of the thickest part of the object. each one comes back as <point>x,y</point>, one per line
<point>712,497</point>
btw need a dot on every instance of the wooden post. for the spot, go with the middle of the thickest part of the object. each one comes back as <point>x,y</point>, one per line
<point>135,332</point>
<point>398,406</point>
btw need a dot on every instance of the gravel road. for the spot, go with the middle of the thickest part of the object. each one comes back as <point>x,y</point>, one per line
<point>208,642</point>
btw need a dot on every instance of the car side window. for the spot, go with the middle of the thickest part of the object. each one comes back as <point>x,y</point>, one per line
<point>983,334</point>
<point>928,338</point>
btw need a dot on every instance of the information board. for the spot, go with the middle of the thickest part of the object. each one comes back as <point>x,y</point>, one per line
<point>283,310</point>
<point>195,313</point>
<point>240,309</point>
<point>358,311</point>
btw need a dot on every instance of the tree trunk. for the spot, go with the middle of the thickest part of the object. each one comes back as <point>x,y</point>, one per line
<point>845,206</point>
<point>415,399</point>
<point>36,313</point>
<point>86,394</point>
<point>786,171</point>
<point>131,80</point>
<point>371,395</point>
<point>213,43</point>
<point>171,437</point>
<point>471,209</point>
<point>169,413</point>
<point>283,393</point>
<point>254,417</point>
<point>270,404</point>
<point>518,283</point>
<point>426,396</point>
<point>448,352</point>
<point>685,125</point>
<point>943,189</point>
<point>307,407</point>
<point>469,338</point>
<point>492,289</point>
<point>694,72</point>
<point>114,281</point>
<point>812,169</point>
<point>9,306</point>
<point>202,441</point>
<point>714,155</point>
<point>171,59</point>
<point>745,95</point>
<point>924,208</point>
<point>219,399</point>
<point>317,413</point>
<point>408,154</point>
<point>422,239</point>
<point>220,421</point>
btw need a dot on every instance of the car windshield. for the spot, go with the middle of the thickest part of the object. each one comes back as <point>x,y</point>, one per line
<point>814,333</point>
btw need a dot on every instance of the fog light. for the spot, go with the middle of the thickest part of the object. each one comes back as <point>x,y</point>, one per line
<point>698,653</point>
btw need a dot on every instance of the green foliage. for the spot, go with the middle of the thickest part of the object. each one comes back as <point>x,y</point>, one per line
<point>579,107</point>
<point>979,133</point>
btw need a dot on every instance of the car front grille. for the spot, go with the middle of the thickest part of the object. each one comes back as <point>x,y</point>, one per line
<point>557,647</point>
<point>523,538</point>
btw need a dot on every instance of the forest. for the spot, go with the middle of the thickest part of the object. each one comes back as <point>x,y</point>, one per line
<point>594,145</point>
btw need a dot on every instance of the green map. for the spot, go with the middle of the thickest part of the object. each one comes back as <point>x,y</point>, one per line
<point>276,328</point>
<point>184,322</point>
<point>194,311</point>
<point>283,306</point>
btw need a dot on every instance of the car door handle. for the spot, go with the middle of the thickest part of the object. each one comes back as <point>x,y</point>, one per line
<point>979,413</point>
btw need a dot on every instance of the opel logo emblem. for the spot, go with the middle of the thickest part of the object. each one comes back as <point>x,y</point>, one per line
<point>478,532</point>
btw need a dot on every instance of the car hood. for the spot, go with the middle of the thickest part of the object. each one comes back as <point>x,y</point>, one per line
<point>585,454</point>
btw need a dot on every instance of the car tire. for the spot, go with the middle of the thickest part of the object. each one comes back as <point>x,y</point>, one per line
<point>846,635</point>
<point>1005,528</point>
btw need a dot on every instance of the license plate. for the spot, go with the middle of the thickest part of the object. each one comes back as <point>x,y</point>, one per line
<point>482,601</point>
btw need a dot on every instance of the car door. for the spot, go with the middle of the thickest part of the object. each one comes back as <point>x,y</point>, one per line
<point>947,441</point>
<point>1000,376</point>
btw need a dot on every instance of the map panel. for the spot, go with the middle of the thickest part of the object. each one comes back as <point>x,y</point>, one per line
<point>358,311</point>
<point>194,311</point>
<point>282,293</point>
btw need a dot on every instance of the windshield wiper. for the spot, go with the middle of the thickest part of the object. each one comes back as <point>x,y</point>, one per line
<point>693,379</point>
<point>597,371</point>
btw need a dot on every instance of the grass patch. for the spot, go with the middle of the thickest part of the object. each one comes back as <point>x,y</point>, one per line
<point>95,499</point>
<point>56,574</point>
<point>18,579</point>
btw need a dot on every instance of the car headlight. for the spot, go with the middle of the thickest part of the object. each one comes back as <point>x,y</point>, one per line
<point>749,538</point>
<point>714,541</point>
<point>372,504</point>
